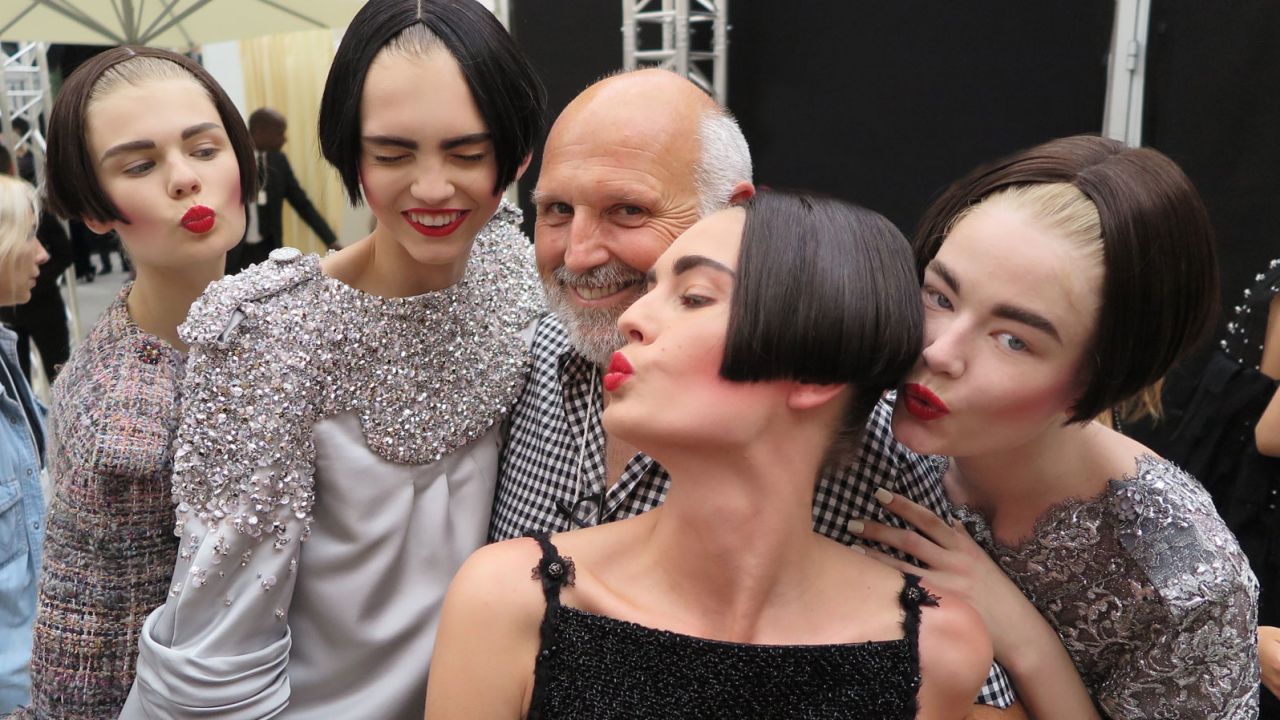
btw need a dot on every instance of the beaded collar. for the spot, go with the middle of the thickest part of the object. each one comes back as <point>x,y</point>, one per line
<point>281,346</point>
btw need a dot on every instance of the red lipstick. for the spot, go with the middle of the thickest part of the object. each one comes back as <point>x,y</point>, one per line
<point>619,372</point>
<point>199,219</point>
<point>922,403</point>
<point>435,230</point>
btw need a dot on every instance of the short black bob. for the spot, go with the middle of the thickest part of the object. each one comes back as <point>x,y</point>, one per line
<point>73,190</point>
<point>506,89</point>
<point>1160,274</point>
<point>825,293</point>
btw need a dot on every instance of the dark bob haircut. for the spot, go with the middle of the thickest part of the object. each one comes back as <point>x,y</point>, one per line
<point>1160,268</point>
<point>825,293</point>
<point>73,187</point>
<point>506,89</point>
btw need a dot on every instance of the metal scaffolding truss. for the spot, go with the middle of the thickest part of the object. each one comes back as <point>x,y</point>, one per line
<point>24,77</point>
<point>680,20</point>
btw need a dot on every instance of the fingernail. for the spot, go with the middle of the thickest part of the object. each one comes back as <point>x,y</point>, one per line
<point>858,549</point>
<point>856,527</point>
<point>884,496</point>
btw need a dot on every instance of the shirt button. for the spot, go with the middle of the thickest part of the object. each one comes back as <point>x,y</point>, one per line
<point>29,475</point>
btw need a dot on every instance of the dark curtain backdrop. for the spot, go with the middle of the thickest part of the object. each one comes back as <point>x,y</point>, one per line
<point>885,103</point>
<point>1213,105</point>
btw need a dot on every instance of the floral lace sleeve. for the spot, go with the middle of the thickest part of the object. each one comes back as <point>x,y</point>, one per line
<point>1203,666</point>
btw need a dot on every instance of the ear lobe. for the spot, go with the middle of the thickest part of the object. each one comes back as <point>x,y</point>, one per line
<point>98,226</point>
<point>806,396</point>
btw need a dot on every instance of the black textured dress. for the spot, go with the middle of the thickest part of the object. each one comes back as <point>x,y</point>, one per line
<point>591,666</point>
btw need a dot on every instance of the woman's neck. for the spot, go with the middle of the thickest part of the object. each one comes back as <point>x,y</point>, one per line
<point>160,297</point>
<point>380,266</point>
<point>1014,486</point>
<point>733,537</point>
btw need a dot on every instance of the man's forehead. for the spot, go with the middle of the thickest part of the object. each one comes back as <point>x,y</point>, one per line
<point>620,173</point>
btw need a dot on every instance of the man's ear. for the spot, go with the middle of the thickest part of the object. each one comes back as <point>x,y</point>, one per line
<point>98,226</point>
<point>524,165</point>
<point>806,396</point>
<point>742,192</point>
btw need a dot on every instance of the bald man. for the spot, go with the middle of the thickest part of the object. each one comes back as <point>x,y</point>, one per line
<point>631,163</point>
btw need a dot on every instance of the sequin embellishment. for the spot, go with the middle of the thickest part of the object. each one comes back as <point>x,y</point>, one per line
<point>279,347</point>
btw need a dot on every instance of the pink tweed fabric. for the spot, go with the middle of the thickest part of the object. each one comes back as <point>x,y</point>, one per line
<point>109,544</point>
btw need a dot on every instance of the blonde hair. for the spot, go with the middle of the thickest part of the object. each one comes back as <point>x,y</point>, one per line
<point>18,212</point>
<point>1057,206</point>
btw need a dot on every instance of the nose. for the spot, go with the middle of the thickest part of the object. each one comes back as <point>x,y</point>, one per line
<point>584,249</point>
<point>635,322</point>
<point>432,185</point>
<point>944,349</point>
<point>184,181</point>
<point>42,255</point>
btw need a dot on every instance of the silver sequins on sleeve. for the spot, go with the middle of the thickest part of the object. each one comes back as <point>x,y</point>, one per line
<point>1150,593</point>
<point>278,347</point>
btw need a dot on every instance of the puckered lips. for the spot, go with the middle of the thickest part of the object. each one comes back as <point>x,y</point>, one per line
<point>199,219</point>
<point>922,403</point>
<point>619,371</point>
<point>435,223</point>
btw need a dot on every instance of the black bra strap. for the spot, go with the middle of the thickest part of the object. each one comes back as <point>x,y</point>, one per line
<point>554,572</point>
<point>911,598</point>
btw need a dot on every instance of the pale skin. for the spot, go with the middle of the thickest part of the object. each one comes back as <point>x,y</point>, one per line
<point>741,494</point>
<point>155,166</point>
<point>1018,458</point>
<point>425,157</point>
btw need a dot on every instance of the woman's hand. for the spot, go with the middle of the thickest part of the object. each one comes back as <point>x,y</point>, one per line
<point>1029,649</point>
<point>953,564</point>
<point>1269,655</point>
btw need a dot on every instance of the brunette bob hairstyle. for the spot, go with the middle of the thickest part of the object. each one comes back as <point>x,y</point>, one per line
<point>825,293</point>
<point>73,187</point>
<point>1160,270</point>
<point>508,93</point>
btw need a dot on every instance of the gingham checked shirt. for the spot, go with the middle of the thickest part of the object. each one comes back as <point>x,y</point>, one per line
<point>555,456</point>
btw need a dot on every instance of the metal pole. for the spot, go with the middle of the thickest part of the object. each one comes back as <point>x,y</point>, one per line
<point>682,37</point>
<point>1126,72</point>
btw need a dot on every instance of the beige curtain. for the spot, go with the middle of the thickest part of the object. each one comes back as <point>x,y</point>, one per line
<point>287,73</point>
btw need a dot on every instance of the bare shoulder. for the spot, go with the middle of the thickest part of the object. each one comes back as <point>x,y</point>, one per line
<point>955,655</point>
<point>500,578</point>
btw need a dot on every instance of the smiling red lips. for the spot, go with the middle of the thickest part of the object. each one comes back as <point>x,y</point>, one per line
<point>619,371</point>
<point>922,403</point>
<point>199,219</point>
<point>414,216</point>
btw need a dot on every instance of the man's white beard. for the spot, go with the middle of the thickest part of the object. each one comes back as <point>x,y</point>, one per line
<point>593,332</point>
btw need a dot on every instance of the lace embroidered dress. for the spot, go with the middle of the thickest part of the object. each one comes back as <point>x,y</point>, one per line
<point>1149,592</point>
<point>593,666</point>
<point>334,466</point>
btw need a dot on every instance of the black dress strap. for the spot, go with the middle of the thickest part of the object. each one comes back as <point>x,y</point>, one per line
<point>554,571</point>
<point>912,597</point>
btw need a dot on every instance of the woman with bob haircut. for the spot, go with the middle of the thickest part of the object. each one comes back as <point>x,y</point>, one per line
<point>337,454</point>
<point>22,448</point>
<point>1057,283</point>
<point>172,182</point>
<point>766,336</point>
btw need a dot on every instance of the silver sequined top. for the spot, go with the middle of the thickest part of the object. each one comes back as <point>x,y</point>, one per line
<point>1149,592</point>
<point>280,347</point>
<point>370,426</point>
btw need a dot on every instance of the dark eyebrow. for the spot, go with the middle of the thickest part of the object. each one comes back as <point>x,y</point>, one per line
<point>127,147</point>
<point>391,140</point>
<point>1008,312</point>
<point>944,272</point>
<point>689,262</point>
<point>1028,318</point>
<point>472,139</point>
<point>197,129</point>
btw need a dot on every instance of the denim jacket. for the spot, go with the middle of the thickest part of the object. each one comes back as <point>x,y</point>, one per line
<point>22,453</point>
